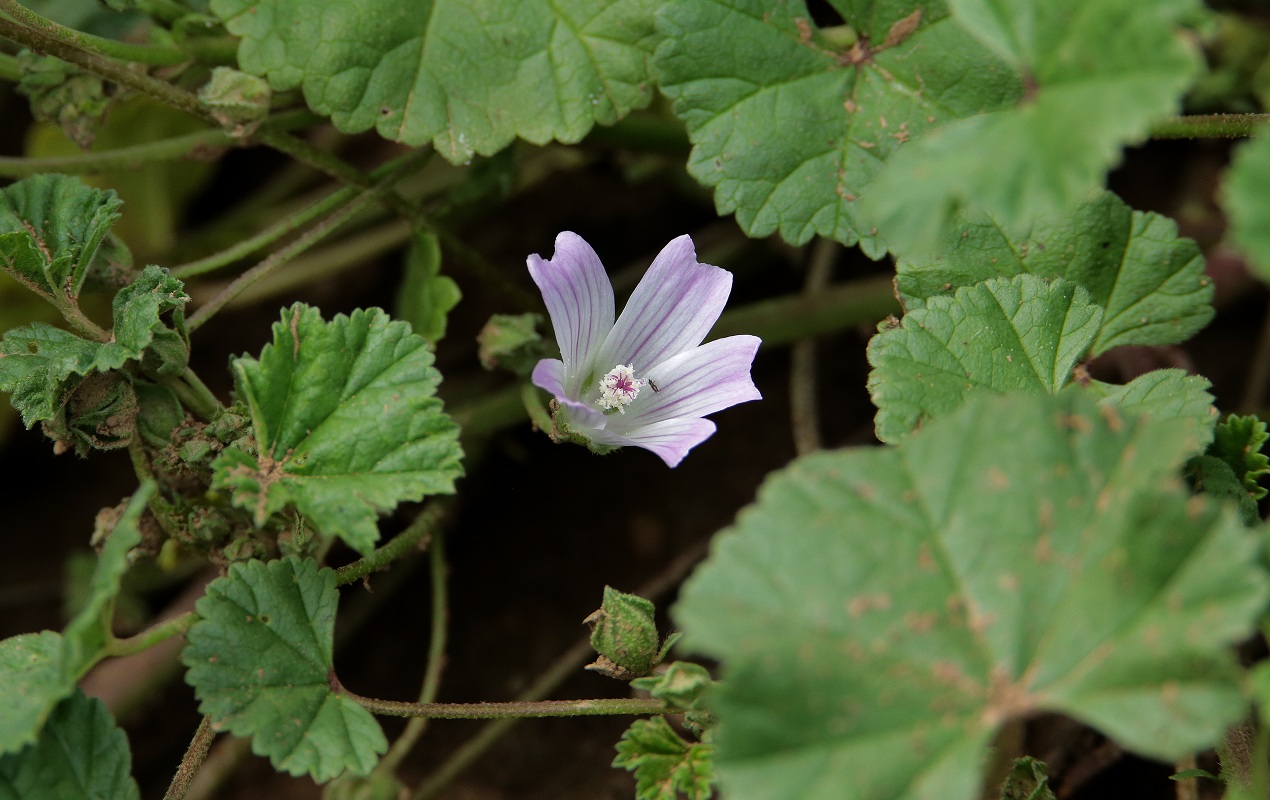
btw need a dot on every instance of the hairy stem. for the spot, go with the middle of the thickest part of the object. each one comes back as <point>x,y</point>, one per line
<point>804,415</point>
<point>151,636</point>
<point>310,237</point>
<point>293,222</point>
<point>423,526</point>
<point>191,145</point>
<point>563,668</point>
<point>436,657</point>
<point>1209,126</point>
<point>194,756</point>
<point>69,49</point>
<point>542,708</point>
<point>139,53</point>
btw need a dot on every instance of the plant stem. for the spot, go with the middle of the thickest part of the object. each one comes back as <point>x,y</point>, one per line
<point>563,668</point>
<point>1209,126</point>
<point>194,756</point>
<point>804,416</point>
<point>310,237</point>
<point>436,657</point>
<point>293,222</point>
<point>139,53</point>
<point>542,708</point>
<point>151,636</point>
<point>191,145</point>
<point>202,402</point>
<point>423,526</point>
<point>339,169</point>
<point>783,320</point>
<point>70,50</point>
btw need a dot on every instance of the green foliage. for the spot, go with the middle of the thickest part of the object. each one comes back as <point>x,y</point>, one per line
<point>666,767</point>
<point>1002,335</point>
<point>33,680</point>
<point>426,296</point>
<point>1027,781</point>
<point>44,366</point>
<point>38,670</point>
<point>1247,203</point>
<point>64,95</point>
<point>512,342</point>
<point>235,98</point>
<point>260,661</point>
<point>880,612</point>
<point>1238,441</point>
<point>347,424</point>
<point>790,126</point>
<point>81,753</point>
<point>1168,396</point>
<point>50,229</point>
<point>465,75</point>
<point>1098,72</point>
<point>684,687</point>
<point>1149,283</point>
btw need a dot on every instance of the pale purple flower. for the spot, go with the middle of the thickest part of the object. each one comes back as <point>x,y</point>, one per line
<point>645,380</point>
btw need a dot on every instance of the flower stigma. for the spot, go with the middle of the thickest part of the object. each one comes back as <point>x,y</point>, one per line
<point>619,387</point>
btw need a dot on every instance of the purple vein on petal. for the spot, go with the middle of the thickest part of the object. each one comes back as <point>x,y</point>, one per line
<point>579,298</point>
<point>703,380</point>
<point>671,310</point>
<point>669,439</point>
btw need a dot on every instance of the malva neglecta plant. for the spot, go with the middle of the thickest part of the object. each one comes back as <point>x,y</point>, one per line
<point>1044,531</point>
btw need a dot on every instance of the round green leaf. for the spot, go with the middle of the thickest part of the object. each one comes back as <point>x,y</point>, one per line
<point>260,661</point>
<point>880,612</point>
<point>465,75</point>
<point>791,127</point>
<point>1150,283</point>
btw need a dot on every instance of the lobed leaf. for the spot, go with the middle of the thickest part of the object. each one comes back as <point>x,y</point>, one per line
<point>791,127</point>
<point>666,767</point>
<point>81,753</point>
<point>1149,283</point>
<point>426,297</point>
<point>50,229</point>
<point>1099,73</point>
<point>260,660</point>
<point>1002,335</point>
<point>1023,554</point>
<point>466,75</point>
<point>41,364</point>
<point>347,424</point>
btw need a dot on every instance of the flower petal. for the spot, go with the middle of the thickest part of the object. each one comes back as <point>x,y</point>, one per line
<point>671,310</point>
<point>703,380</point>
<point>549,374</point>
<point>579,298</point>
<point>670,439</point>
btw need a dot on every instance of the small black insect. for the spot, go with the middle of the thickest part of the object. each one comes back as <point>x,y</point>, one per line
<point>650,383</point>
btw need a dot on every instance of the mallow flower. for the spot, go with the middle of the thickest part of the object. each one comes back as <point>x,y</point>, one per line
<point>645,380</point>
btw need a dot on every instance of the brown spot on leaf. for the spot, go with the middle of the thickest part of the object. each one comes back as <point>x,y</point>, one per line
<point>925,559</point>
<point>920,622</point>
<point>997,479</point>
<point>902,29</point>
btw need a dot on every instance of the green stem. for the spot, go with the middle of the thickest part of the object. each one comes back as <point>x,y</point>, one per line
<point>310,237</point>
<point>194,757</point>
<point>151,636</point>
<point>72,51</point>
<point>202,401</point>
<point>78,320</point>
<point>436,658</point>
<point>291,223</point>
<point>404,543</point>
<point>485,272</point>
<point>1209,126</point>
<point>541,708</point>
<point>138,53</point>
<point>783,320</point>
<point>191,145</point>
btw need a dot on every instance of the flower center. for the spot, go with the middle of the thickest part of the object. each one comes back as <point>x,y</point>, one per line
<point>619,387</point>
